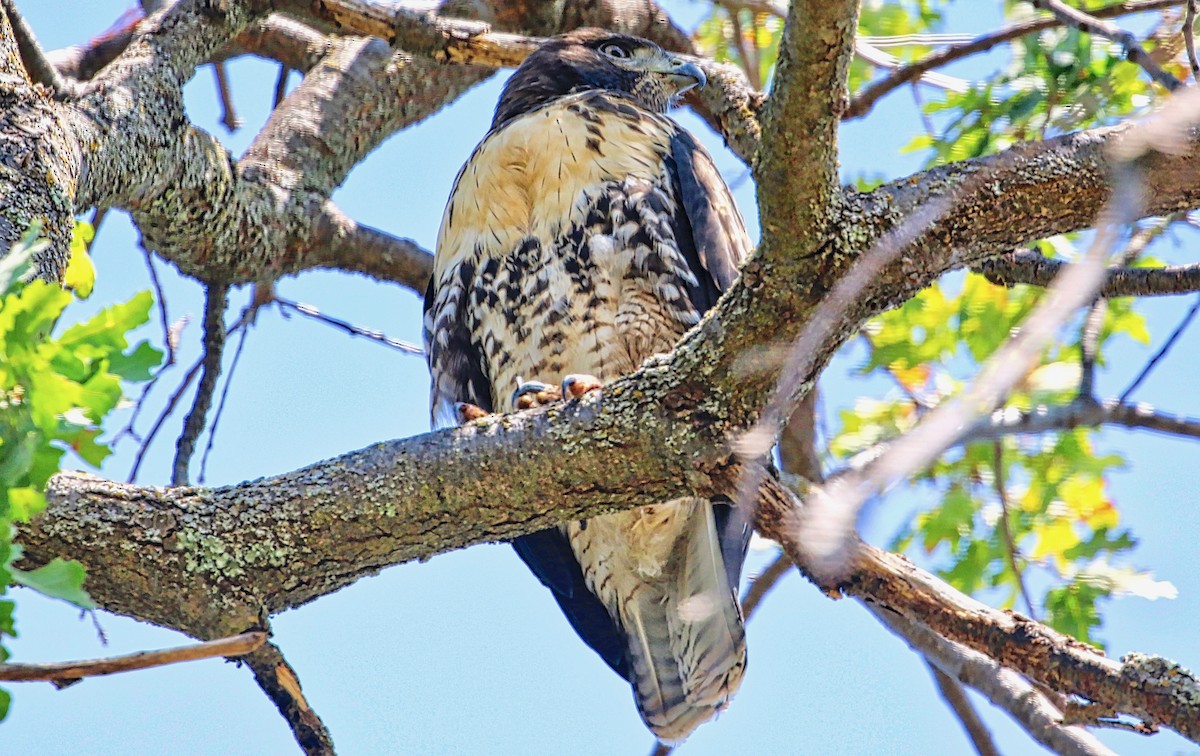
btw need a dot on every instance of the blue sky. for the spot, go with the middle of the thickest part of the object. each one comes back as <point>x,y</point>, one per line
<point>467,653</point>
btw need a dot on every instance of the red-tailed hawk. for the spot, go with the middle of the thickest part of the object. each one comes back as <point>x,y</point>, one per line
<point>586,233</point>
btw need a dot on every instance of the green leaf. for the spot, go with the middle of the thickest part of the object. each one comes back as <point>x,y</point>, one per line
<point>60,579</point>
<point>80,275</point>
<point>137,365</point>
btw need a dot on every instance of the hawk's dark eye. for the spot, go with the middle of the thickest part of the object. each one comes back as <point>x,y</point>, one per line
<point>613,50</point>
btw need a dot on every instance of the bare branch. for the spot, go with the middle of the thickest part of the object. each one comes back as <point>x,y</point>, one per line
<point>82,62</point>
<point>796,168</point>
<point>1082,414</point>
<point>216,300</point>
<point>342,244</point>
<point>1152,689</point>
<point>1010,543</point>
<point>229,116</point>
<point>865,99</point>
<point>279,681</point>
<point>1128,41</point>
<point>1162,352</point>
<point>64,673</point>
<point>1189,38</point>
<point>39,69</point>
<point>1027,267</point>
<point>369,333</point>
<point>1004,688</point>
<point>955,697</point>
<point>762,585</point>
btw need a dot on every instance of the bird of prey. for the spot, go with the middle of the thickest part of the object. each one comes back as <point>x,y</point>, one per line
<point>586,233</point>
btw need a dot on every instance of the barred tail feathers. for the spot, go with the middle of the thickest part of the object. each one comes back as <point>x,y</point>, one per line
<point>687,647</point>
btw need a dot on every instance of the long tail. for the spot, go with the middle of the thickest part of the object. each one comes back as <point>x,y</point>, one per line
<point>687,645</point>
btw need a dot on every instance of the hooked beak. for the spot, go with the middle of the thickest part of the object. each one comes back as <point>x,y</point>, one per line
<point>684,75</point>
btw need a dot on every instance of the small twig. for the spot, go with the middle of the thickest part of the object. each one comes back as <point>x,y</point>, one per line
<point>1099,715</point>
<point>166,412</point>
<point>67,672</point>
<point>956,698</point>
<point>1130,46</point>
<point>98,216</point>
<point>212,432</point>
<point>1162,352</point>
<point>216,301</point>
<point>281,84</point>
<point>749,66</point>
<point>279,681</point>
<point>37,66</point>
<point>762,585</point>
<point>1025,267</point>
<point>229,117</point>
<point>368,333</point>
<point>170,335</point>
<point>1010,543</point>
<point>1089,346</point>
<point>1189,37</point>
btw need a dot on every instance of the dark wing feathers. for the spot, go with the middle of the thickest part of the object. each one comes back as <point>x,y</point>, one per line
<point>548,555</point>
<point>710,230</point>
<point>455,362</point>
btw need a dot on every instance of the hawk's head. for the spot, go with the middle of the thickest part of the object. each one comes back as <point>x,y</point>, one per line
<point>597,59</point>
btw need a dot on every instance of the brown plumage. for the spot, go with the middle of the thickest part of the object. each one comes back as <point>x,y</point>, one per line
<point>586,233</point>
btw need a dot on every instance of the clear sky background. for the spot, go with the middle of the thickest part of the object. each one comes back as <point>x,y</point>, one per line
<point>468,653</point>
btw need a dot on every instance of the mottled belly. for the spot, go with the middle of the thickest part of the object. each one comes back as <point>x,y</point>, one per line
<point>555,314</point>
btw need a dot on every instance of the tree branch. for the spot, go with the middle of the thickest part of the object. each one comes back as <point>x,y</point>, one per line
<point>65,673</point>
<point>1134,52</point>
<point>215,302</point>
<point>796,168</point>
<point>955,696</point>
<point>1004,688</point>
<point>1155,690</point>
<point>279,681</point>
<point>865,99</point>
<point>1027,267</point>
<point>39,69</point>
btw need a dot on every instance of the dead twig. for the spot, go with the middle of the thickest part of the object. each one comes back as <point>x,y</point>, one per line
<point>65,673</point>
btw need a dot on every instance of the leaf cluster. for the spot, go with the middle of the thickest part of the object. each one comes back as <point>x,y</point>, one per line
<point>55,392</point>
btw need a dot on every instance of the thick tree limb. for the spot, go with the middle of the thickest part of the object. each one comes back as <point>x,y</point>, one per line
<point>65,673</point>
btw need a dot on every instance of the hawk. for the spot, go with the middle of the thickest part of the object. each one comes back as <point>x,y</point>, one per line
<point>586,233</point>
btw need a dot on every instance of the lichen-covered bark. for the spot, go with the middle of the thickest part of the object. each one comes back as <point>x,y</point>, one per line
<point>796,169</point>
<point>40,161</point>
